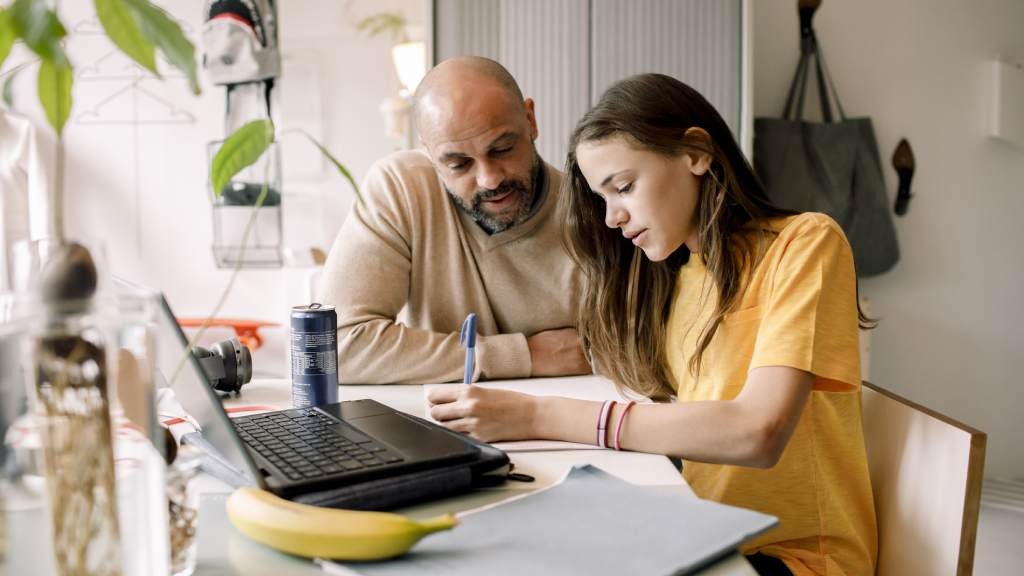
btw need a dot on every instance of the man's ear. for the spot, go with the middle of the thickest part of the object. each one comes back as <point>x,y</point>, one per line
<point>531,117</point>
<point>700,162</point>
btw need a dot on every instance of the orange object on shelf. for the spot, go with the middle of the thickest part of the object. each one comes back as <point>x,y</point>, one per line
<point>246,330</point>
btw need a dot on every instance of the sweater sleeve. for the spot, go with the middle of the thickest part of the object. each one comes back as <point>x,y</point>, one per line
<point>367,278</point>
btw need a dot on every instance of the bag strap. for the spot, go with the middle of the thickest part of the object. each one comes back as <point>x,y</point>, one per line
<point>823,72</point>
<point>823,96</point>
<point>809,49</point>
<point>796,87</point>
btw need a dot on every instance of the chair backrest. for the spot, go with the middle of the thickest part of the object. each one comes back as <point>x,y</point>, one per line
<point>926,473</point>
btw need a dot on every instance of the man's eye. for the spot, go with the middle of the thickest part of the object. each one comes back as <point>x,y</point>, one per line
<point>458,166</point>
<point>500,151</point>
<point>625,189</point>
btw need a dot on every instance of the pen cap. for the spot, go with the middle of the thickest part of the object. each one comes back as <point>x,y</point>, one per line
<point>467,337</point>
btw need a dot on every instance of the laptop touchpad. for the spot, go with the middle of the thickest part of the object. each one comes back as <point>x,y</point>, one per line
<point>412,438</point>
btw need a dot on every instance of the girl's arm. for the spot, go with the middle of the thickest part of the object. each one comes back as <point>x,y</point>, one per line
<point>750,430</point>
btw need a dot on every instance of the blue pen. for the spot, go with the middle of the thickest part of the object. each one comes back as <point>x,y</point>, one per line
<point>468,339</point>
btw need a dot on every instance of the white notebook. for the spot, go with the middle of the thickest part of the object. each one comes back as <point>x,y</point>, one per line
<point>596,388</point>
<point>591,524</point>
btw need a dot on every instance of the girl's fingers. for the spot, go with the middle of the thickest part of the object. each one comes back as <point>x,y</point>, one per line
<point>448,411</point>
<point>445,393</point>
<point>462,425</point>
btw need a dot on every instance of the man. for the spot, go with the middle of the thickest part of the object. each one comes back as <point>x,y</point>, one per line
<point>468,225</point>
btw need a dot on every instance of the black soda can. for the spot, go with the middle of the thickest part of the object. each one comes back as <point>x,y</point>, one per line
<point>314,355</point>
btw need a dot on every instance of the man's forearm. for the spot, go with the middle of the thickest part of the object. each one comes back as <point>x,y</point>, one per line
<point>381,351</point>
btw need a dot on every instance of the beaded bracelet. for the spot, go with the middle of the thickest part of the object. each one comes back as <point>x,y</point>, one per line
<point>618,427</point>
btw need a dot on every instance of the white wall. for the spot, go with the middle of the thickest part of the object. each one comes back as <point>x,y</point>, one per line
<point>952,331</point>
<point>142,191</point>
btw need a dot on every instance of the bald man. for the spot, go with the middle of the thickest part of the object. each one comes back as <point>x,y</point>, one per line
<point>468,224</point>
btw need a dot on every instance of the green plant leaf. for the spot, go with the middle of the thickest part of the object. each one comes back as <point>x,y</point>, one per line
<point>167,36</point>
<point>40,28</point>
<point>376,24</point>
<point>341,168</point>
<point>8,90</point>
<point>122,29</point>
<point>242,149</point>
<point>7,35</point>
<point>55,79</point>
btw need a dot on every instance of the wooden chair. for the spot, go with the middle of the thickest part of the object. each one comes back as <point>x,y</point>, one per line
<point>926,471</point>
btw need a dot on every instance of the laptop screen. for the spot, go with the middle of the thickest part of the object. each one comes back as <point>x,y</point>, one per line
<point>182,373</point>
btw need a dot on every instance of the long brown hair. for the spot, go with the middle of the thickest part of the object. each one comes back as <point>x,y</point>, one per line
<point>624,322</point>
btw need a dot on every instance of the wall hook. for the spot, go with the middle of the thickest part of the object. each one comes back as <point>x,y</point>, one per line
<point>806,9</point>
<point>903,162</point>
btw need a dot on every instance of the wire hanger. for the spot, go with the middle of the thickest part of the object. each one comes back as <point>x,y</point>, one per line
<point>92,27</point>
<point>112,66</point>
<point>98,115</point>
<point>89,27</point>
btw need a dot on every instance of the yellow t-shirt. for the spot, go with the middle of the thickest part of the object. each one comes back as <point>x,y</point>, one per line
<point>799,310</point>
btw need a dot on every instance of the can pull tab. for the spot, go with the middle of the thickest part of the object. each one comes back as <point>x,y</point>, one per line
<point>315,306</point>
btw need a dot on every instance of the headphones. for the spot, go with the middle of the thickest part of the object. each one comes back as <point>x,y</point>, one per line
<point>227,364</point>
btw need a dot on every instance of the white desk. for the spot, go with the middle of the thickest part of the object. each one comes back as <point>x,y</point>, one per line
<point>224,551</point>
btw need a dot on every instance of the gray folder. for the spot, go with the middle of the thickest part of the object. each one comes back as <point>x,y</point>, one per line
<point>592,523</point>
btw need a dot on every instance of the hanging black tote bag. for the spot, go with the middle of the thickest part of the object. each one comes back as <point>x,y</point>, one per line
<point>831,166</point>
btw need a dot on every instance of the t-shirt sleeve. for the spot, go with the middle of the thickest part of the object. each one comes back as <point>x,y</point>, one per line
<point>810,322</point>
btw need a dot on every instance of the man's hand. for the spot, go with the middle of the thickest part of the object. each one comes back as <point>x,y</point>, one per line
<point>557,353</point>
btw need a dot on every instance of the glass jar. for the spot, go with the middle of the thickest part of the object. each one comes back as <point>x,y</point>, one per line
<point>183,510</point>
<point>83,473</point>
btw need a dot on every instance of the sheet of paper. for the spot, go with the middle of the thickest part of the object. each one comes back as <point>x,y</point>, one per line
<point>595,388</point>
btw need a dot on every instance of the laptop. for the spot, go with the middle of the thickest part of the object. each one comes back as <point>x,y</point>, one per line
<point>354,454</point>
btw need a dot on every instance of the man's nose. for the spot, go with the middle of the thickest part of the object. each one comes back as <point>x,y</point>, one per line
<point>489,175</point>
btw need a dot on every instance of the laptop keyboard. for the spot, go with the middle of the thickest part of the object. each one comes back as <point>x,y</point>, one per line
<point>306,444</point>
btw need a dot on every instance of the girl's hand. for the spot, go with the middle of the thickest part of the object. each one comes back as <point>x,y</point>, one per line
<point>486,414</point>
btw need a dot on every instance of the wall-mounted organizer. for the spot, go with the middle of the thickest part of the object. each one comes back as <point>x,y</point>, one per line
<point>1006,120</point>
<point>234,209</point>
<point>240,53</point>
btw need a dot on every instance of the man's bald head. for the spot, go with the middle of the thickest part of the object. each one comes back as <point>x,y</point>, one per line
<point>479,132</point>
<point>459,83</point>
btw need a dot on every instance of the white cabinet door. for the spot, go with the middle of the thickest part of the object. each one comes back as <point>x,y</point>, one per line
<point>565,53</point>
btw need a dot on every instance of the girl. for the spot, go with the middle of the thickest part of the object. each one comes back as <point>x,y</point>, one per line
<point>699,289</point>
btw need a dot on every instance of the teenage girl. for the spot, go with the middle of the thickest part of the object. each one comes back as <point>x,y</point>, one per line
<point>740,317</point>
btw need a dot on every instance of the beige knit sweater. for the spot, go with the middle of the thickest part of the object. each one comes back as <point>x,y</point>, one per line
<point>408,266</point>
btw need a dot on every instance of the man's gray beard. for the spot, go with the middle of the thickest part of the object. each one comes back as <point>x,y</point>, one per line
<point>525,191</point>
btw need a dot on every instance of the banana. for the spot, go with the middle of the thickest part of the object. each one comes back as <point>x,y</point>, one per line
<point>312,531</point>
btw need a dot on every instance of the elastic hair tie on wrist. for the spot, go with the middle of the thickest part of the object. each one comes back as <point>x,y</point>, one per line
<point>618,427</point>
<point>607,421</point>
<point>602,422</point>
